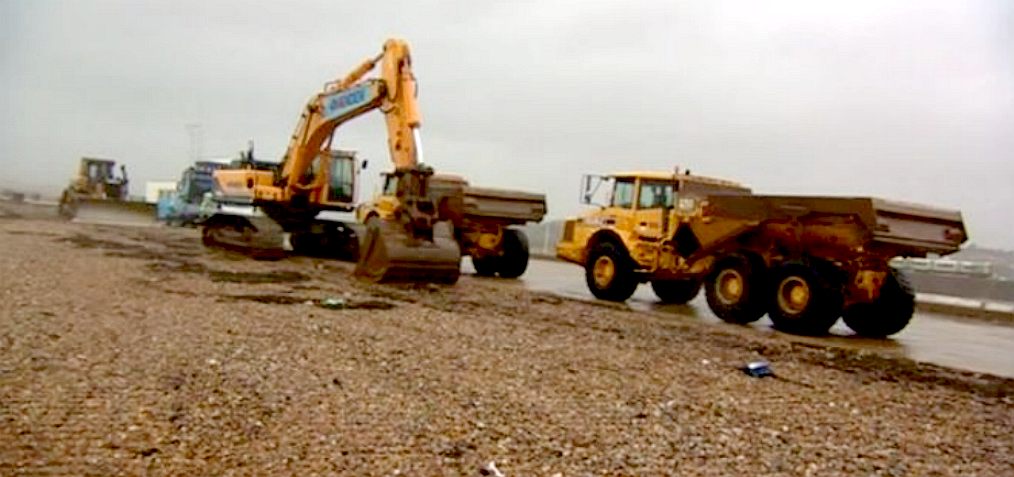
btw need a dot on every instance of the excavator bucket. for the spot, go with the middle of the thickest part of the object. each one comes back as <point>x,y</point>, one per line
<point>390,254</point>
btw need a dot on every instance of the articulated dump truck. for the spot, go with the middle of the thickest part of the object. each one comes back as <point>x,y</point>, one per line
<point>803,261</point>
<point>481,218</point>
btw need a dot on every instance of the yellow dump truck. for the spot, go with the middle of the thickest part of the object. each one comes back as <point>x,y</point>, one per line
<point>481,217</point>
<point>804,261</point>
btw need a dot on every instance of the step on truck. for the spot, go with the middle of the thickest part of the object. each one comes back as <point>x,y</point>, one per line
<point>483,220</point>
<point>804,261</point>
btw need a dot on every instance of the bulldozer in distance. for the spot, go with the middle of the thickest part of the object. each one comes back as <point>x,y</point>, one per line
<point>97,194</point>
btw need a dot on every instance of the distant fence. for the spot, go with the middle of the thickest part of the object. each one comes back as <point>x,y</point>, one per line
<point>950,267</point>
<point>962,285</point>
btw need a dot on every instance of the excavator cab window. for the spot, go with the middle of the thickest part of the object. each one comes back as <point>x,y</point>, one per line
<point>342,183</point>
<point>623,193</point>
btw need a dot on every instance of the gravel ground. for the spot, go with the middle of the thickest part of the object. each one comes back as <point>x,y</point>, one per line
<point>128,351</point>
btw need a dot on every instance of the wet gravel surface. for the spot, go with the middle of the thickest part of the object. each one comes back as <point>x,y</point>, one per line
<point>128,351</point>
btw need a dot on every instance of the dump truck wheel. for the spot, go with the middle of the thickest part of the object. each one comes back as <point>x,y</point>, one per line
<point>485,266</point>
<point>676,291</point>
<point>735,289</point>
<point>514,261</point>
<point>888,314</point>
<point>804,301</point>
<point>609,273</point>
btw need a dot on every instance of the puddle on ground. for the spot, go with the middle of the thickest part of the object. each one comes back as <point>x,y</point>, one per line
<point>84,241</point>
<point>276,299</point>
<point>6,214</point>
<point>181,266</point>
<point>257,277</point>
<point>268,299</point>
<point>138,253</point>
<point>32,233</point>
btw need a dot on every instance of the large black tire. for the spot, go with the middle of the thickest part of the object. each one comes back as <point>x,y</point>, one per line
<point>485,266</point>
<point>736,289</point>
<point>676,292</point>
<point>609,273</point>
<point>806,298</point>
<point>514,261</point>
<point>888,314</point>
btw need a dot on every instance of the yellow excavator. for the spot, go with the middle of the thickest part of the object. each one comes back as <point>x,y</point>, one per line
<point>258,204</point>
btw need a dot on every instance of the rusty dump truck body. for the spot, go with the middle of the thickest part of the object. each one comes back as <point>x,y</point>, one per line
<point>804,261</point>
<point>848,230</point>
<point>481,217</point>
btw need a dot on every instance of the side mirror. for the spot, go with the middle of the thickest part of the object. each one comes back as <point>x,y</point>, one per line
<point>362,166</point>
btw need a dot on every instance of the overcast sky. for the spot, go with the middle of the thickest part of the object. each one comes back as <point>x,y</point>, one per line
<point>903,100</point>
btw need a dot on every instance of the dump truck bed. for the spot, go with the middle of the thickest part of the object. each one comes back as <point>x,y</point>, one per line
<point>862,223</point>
<point>515,207</point>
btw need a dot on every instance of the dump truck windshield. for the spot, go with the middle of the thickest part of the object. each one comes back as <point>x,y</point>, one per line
<point>623,193</point>
<point>655,195</point>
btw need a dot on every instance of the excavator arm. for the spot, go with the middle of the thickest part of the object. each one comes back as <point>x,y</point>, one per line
<point>347,98</point>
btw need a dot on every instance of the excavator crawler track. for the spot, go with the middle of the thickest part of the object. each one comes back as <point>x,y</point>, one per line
<point>259,237</point>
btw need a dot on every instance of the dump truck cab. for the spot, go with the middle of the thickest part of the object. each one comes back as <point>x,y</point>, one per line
<point>635,209</point>
<point>384,201</point>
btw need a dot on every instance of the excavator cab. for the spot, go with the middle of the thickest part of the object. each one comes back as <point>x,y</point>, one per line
<point>340,188</point>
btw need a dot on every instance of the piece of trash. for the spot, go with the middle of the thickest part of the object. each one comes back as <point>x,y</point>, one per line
<point>490,470</point>
<point>758,369</point>
<point>333,303</point>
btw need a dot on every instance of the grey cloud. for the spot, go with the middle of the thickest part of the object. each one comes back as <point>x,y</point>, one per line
<point>910,100</point>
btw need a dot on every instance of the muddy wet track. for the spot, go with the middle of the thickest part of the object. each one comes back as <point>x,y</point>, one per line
<point>959,342</point>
